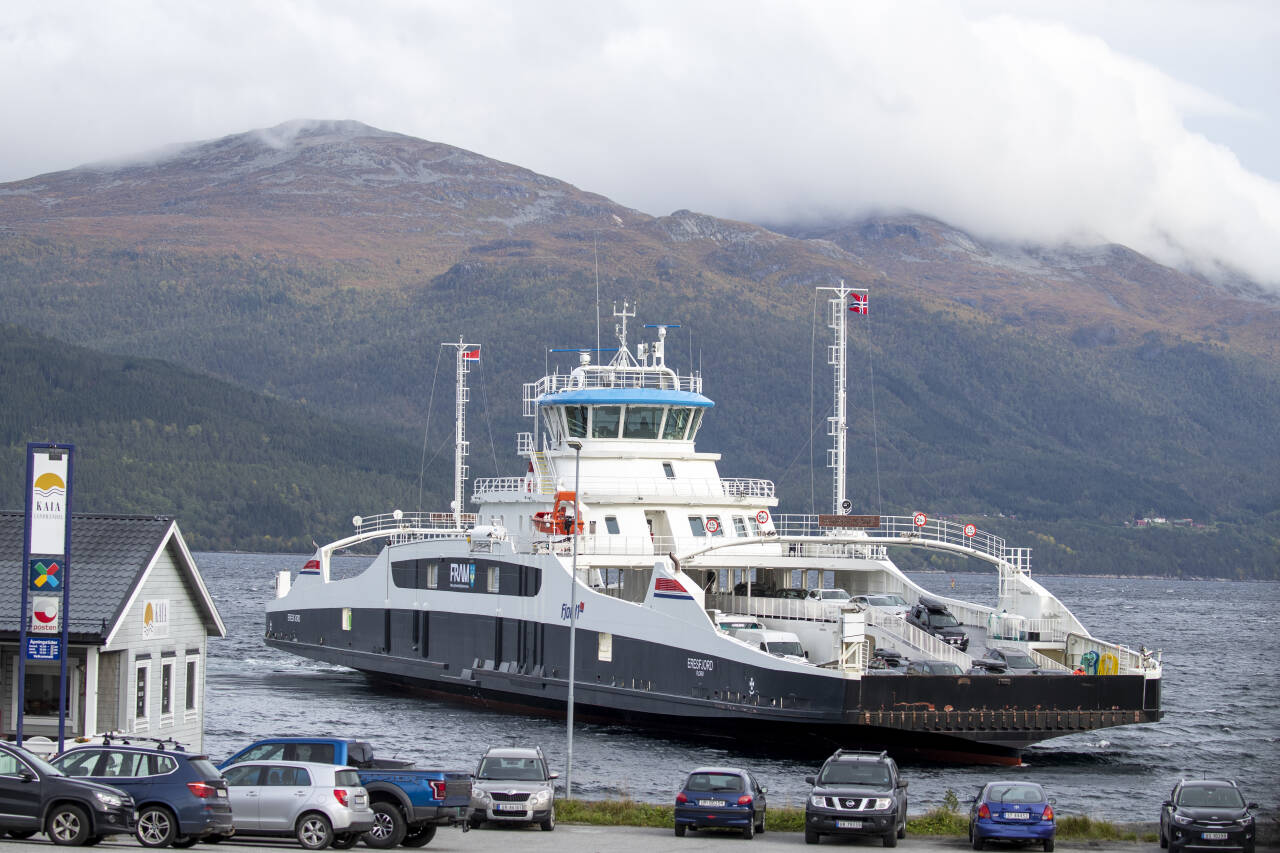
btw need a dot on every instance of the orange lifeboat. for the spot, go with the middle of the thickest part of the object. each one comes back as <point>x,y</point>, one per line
<point>557,521</point>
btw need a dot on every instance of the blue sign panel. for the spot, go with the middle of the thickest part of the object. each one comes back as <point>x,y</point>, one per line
<point>44,648</point>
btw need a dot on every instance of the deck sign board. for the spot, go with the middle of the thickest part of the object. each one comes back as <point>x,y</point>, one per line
<point>860,521</point>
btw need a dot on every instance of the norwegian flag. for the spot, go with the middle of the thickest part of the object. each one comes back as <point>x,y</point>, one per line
<point>667,585</point>
<point>471,353</point>
<point>858,304</point>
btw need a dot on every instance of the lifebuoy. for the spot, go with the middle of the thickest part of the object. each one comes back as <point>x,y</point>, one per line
<point>1108,665</point>
<point>762,517</point>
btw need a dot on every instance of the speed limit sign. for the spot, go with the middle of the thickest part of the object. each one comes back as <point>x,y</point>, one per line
<point>713,525</point>
<point>920,519</point>
<point>970,530</point>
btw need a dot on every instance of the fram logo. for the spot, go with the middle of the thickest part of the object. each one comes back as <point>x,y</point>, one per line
<point>462,574</point>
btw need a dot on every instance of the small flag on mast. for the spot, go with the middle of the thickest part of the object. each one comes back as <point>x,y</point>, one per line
<point>471,353</point>
<point>858,303</point>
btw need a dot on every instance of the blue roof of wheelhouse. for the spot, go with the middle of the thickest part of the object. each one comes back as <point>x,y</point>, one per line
<point>625,396</point>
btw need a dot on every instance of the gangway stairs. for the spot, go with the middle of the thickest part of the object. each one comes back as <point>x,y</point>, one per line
<point>912,641</point>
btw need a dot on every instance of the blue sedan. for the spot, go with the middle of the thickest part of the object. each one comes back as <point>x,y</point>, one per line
<point>720,796</point>
<point>1011,811</point>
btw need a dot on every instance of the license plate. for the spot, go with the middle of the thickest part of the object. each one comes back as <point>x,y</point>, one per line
<point>849,824</point>
<point>1214,836</point>
<point>1017,815</point>
<point>711,804</point>
<point>509,807</point>
<point>222,792</point>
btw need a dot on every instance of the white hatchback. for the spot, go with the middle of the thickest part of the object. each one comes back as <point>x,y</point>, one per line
<point>318,804</point>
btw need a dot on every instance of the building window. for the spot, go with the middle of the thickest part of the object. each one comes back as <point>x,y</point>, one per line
<point>193,684</point>
<point>142,695</point>
<point>166,690</point>
<point>40,693</point>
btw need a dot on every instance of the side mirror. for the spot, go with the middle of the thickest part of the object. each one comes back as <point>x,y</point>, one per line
<point>765,790</point>
<point>902,783</point>
<point>811,780</point>
<point>1167,804</point>
<point>1252,806</point>
<point>806,655</point>
<point>26,775</point>
<point>1053,801</point>
<point>553,775</point>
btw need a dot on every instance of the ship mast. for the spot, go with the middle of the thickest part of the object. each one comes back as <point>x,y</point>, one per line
<point>467,353</point>
<point>838,424</point>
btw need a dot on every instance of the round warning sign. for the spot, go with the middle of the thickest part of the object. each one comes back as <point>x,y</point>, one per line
<point>970,530</point>
<point>762,516</point>
<point>920,519</point>
<point>712,525</point>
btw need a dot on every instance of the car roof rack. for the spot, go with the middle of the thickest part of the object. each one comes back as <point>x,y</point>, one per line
<point>860,753</point>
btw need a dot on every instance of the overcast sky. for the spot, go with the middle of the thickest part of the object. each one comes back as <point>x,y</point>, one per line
<point>1155,124</point>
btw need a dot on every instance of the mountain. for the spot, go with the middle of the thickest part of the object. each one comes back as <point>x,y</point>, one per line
<point>324,263</point>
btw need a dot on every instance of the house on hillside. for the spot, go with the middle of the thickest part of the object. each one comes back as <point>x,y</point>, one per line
<point>140,618</point>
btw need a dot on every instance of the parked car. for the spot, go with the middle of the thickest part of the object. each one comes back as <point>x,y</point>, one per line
<point>761,590</point>
<point>734,622</point>
<point>988,667</point>
<point>831,595</point>
<point>857,793</point>
<point>181,797</point>
<point>318,804</point>
<point>781,643</point>
<point>789,592</point>
<point>933,667</point>
<point>37,797</point>
<point>886,602</point>
<point>1011,811</point>
<point>408,804</point>
<point>721,797</point>
<point>887,661</point>
<point>1207,813</point>
<point>1016,661</point>
<point>934,618</point>
<point>514,785</point>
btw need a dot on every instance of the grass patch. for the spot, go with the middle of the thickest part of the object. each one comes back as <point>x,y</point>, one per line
<point>1084,828</point>
<point>939,821</point>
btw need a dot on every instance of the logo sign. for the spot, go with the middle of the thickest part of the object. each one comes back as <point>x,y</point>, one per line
<point>462,575</point>
<point>155,619</point>
<point>45,576</point>
<point>49,502</point>
<point>44,648</point>
<point>45,614</point>
<point>920,519</point>
<point>970,530</point>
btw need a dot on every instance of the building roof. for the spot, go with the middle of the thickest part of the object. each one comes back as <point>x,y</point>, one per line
<point>111,556</point>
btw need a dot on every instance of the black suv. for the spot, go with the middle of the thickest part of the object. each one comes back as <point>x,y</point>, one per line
<point>857,793</point>
<point>36,797</point>
<point>936,619</point>
<point>1207,813</point>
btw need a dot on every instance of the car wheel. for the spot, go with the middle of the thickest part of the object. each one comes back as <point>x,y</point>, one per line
<point>419,836</point>
<point>811,837</point>
<point>890,838</point>
<point>1164,839</point>
<point>550,823</point>
<point>314,832</point>
<point>22,833</point>
<point>760,825</point>
<point>679,830</point>
<point>345,840</point>
<point>976,839</point>
<point>67,825</point>
<point>902,830</point>
<point>749,831</point>
<point>388,826</point>
<point>1048,845</point>
<point>157,827</point>
<point>182,842</point>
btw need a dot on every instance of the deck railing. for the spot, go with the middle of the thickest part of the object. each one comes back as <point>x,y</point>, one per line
<point>655,487</point>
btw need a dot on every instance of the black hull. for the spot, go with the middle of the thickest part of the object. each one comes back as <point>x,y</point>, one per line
<point>522,666</point>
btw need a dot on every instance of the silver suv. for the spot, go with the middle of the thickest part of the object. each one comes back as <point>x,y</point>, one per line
<point>514,785</point>
<point>318,804</point>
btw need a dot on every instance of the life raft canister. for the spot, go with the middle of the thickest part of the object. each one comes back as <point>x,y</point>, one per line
<point>557,521</point>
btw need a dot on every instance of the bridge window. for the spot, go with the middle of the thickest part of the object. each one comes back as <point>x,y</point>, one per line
<point>718,527</point>
<point>577,419</point>
<point>642,422</point>
<point>697,526</point>
<point>668,470</point>
<point>611,524</point>
<point>605,421</point>
<point>677,421</point>
<point>697,422</point>
<point>753,525</point>
<point>740,526</point>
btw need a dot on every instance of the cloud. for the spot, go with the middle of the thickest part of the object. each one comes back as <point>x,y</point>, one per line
<point>1021,128</point>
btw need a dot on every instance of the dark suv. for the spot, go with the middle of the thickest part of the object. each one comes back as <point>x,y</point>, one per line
<point>1207,814</point>
<point>934,618</point>
<point>181,797</point>
<point>36,797</point>
<point>857,793</point>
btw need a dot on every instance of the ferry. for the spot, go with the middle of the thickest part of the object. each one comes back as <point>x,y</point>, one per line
<point>599,572</point>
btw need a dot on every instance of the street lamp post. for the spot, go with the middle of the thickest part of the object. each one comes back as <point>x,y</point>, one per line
<point>573,615</point>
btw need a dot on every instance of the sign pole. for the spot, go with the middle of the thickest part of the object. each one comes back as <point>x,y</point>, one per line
<point>65,612</point>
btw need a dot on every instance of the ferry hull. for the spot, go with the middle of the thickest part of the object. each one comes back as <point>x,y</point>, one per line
<point>521,665</point>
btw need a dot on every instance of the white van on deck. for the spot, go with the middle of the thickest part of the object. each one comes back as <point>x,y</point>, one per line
<point>781,643</point>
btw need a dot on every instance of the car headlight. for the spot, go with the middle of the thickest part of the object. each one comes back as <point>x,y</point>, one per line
<point>1181,819</point>
<point>820,802</point>
<point>480,794</point>
<point>883,803</point>
<point>541,798</point>
<point>108,800</point>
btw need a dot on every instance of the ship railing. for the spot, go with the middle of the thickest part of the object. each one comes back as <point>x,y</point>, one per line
<point>901,529</point>
<point>603,376</point>
<point>427,524</point>
<point>1113,659</point>
<point>486,488</point>
<point>921,640</point>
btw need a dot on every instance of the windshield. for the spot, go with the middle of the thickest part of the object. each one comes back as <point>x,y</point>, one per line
<point>1018,660</point>
<point>1021,793</point>
<point>517,769</point>
<point>944,668</point>
<point>1216,796</point>
<point>833,594</point>
<point>943,619</point>
<point>786,648</point>
<point>727,782</point>
<point>848,773</point>
<point>10,766</point>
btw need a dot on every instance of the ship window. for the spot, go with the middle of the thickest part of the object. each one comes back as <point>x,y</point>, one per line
<point>697,422</point>
<point>677,420</point>
<point>753,525</point>
<point>577,418</point>
<point>611,523</point>
<point>492,584</point>
<point>714,527</point>
<point>433,574</point>
<point>696,525</point>
<point>668,470</point>
<point>740,526</point>
<point>642,422</point>
<point>604,421</point>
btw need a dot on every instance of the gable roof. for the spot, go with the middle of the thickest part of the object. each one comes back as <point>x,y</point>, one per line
<point>111,556</point>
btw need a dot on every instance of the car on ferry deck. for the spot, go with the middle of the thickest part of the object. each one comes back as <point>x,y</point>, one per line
<point>1012,811</point>
<point>885,602</point>
<point>833,596</point>
<point>725,797</point>
<point>934,618</point>
<point>1016,661</point>
<point>933,667</point>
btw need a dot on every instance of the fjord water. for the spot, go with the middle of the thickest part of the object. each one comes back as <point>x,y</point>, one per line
<point>1221,701</point>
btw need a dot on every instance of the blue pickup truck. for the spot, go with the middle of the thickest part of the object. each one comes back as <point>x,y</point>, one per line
<point>408,804</point>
